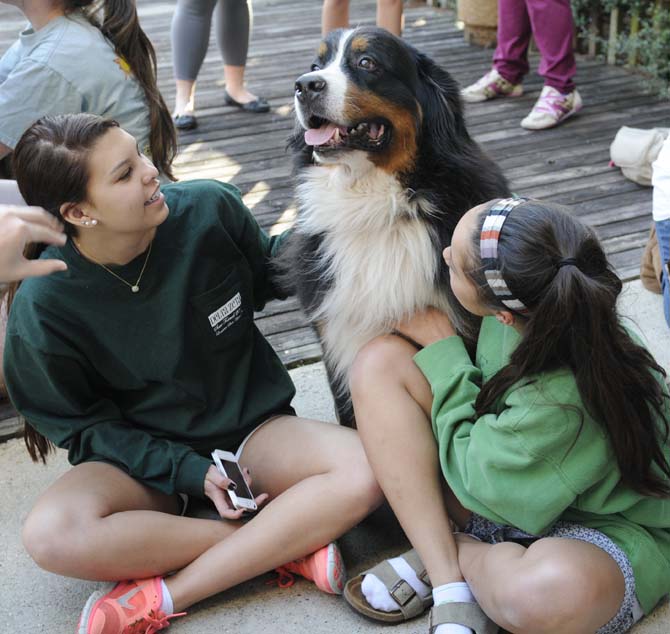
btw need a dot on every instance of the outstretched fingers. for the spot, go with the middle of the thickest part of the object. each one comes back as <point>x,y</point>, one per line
<point>31,214</point>
<point>39,232</point>
<point>36,268</point>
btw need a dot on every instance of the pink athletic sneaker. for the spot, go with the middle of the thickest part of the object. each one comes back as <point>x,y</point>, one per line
<point>552,108</point>
<point>490,86</point>
<point>130,607</point>
<point>324,567</point>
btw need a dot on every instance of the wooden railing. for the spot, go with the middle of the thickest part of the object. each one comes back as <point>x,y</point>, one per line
<point>620,30</point>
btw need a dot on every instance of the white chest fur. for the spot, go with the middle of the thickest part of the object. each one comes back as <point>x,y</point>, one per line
<point>377,251</point>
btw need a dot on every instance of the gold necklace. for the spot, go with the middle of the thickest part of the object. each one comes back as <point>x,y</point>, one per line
<point>135,288</point>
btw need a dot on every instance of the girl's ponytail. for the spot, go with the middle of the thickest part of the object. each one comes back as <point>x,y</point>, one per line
<point>557,268</point>
<point>120,25</point>
<point>614,374</point>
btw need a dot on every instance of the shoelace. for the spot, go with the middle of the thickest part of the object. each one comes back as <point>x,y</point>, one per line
<point>152,622</point>
<point>552,103</point>
<point>284,578</point>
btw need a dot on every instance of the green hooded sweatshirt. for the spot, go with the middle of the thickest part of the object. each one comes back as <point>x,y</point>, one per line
<point>539,457</point>
<point>153,381</point>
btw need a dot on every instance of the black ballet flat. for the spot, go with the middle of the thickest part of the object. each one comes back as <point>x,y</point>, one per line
<point>185,122</point>
<point>257,105</point>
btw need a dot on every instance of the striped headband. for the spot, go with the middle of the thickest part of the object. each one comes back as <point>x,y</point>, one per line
<point>488,249</point>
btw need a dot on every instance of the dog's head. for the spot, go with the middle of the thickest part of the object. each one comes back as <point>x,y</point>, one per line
<point>369,91</point>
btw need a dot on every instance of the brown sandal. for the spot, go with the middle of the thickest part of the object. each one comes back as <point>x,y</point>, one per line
<point>467,614</point>
<point>410,604</point>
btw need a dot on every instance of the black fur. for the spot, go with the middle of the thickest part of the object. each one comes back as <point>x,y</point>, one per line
<point>450,172</point>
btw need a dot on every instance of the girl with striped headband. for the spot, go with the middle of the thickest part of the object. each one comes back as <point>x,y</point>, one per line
<point>548,447</point>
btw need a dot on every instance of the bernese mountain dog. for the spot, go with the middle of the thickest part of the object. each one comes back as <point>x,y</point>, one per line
<point>385,169</point>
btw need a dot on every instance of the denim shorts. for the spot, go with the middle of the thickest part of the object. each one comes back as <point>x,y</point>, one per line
<point>663,237</point>
<point>630,611</point>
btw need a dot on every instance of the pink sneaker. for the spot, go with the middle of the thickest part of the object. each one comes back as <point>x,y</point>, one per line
<point>490,86</point>
<point>324,567</point>
<point>552,108</point>
<point>130,607</point>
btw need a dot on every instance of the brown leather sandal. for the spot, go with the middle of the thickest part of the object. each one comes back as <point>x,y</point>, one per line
<point>467,614</point>
<point>410,604</point>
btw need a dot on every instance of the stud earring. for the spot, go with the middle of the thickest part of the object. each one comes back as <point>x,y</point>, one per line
<point>86,223</point>
<point>94,222</point>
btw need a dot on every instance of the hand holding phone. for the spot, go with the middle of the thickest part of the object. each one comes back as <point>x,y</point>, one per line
<point>231,502</point>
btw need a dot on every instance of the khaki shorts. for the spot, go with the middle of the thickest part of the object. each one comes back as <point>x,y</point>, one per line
<point>184,498</point>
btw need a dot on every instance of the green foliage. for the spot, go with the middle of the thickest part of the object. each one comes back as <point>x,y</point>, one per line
<point>643,37</point>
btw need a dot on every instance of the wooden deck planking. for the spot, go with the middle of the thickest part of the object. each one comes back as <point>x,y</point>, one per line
<point>568,164</point>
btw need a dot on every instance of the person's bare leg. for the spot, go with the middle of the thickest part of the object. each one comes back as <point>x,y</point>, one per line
<point>556,586</point>
<point>392,401</point>
<point>185,99</point>
<point>320,485</point>
<point>334,15</point>
<point>234,76</point>
<point>96,522</point>
<point>389,16</point>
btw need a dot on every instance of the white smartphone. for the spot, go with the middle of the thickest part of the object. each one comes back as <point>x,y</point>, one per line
<point>241,497</point>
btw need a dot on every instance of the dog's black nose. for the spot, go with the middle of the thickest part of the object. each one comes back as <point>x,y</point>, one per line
<point>308,86</point>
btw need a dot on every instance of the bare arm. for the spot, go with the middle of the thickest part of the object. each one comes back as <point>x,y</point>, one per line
<point>427,327</point>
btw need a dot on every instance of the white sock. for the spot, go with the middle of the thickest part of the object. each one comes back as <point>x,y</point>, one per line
<point>167,607</point>
<point>376,593</point>
<point>458,592</point>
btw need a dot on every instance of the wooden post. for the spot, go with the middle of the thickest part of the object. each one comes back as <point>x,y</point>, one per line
<point>593,31</point>
<point>634,30</point>
<point>480,18</point>
<point>613,36</point>
<point>656,20</point>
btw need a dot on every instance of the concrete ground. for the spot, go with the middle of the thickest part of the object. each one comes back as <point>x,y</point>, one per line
<point>36,601</point>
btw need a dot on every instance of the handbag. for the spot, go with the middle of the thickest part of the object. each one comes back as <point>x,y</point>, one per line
<point>651,267</point>
<point>634,150</point>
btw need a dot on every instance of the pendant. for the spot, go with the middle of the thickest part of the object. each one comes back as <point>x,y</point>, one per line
<point>135,288</point>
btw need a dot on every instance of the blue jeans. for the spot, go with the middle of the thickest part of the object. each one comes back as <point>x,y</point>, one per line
<point>663,237</point>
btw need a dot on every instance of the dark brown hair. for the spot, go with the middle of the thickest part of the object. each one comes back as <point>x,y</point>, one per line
<point>573,322</point>
<point>51,166</point>
<point>121,26</point>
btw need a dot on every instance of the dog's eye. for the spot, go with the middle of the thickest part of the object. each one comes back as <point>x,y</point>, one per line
<point>315,67</point>
<point>367,63</point>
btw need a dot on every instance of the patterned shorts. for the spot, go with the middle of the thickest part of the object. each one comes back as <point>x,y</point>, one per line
<point>630,611</point>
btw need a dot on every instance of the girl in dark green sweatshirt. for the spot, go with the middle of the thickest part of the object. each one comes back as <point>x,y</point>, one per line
<point>139,360</point>
<point>552,441</point>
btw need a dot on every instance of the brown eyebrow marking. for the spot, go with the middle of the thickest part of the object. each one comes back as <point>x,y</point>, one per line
<point>323,49</point>
<point>359,44</point>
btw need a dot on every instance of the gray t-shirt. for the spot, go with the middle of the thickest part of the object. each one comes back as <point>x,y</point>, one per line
<point>66,67</point>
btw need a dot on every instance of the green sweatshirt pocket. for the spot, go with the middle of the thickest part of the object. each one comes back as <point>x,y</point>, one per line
<point>224,314</point>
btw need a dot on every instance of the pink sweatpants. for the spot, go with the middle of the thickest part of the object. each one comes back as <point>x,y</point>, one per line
<point>551,23</point>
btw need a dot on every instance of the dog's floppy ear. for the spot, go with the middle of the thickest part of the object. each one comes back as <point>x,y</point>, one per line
<point>440,101</point>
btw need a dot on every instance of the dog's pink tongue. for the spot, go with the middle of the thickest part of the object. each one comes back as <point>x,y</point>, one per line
<point>319,136</point>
